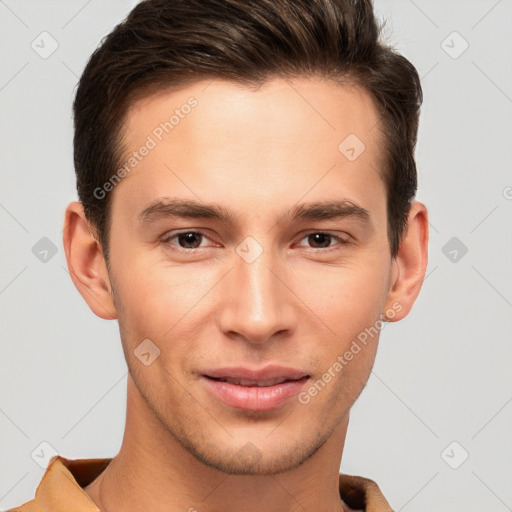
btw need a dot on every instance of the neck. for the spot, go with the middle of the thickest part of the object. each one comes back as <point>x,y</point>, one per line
<point>152,471</point>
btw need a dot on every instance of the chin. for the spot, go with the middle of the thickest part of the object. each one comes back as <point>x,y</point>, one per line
<point>253,457</point>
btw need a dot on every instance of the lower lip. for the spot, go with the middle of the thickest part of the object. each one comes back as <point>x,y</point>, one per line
<point>255,398</point>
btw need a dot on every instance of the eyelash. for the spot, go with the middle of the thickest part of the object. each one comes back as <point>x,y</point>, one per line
<point>166,240</point>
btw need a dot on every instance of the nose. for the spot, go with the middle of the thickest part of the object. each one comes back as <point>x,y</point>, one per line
<point>257,305</point>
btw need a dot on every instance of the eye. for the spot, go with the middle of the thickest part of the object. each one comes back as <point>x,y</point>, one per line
<point>321,240</point>
<point>185,239</point>
<point>190,240</point>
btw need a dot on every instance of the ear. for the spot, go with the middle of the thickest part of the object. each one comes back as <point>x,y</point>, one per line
<point>86,263</point>
<point>409,265</point>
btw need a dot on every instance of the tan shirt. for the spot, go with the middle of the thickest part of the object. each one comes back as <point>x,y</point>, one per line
<point>61,488</point>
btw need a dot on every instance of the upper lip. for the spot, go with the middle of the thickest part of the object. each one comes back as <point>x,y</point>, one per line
<point>257,374</point>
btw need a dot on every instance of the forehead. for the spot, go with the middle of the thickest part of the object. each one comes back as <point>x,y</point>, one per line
<point>218,140</point>
<point>276,109</point>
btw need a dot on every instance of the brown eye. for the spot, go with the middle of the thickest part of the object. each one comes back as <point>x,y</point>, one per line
<point>319,240</point>
<point>185,240</point>
<point>188,239</point>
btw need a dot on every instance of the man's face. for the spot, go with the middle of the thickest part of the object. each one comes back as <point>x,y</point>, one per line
<point>265,286</point>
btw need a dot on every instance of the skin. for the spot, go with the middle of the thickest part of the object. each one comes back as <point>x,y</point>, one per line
<point>301,303</point>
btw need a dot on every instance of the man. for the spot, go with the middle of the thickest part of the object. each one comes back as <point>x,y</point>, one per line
<point>246,179</point>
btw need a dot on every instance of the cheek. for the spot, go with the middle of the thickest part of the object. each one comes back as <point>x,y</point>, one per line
<point>156,301</point>
<point>347,299</point>
<point>352,311</point>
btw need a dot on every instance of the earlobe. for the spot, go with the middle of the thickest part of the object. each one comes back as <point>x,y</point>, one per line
<point>410,264</point>
<point>86,263</point>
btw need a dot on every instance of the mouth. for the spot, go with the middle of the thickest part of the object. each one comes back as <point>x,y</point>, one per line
<point>255,390</point>
<point>249,383</point>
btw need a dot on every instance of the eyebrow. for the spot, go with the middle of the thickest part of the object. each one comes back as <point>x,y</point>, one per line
<point>319,210</point>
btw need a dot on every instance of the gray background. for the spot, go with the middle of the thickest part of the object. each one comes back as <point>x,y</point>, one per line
<point>442,375</point>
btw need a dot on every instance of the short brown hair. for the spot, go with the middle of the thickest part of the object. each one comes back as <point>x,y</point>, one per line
<point>166,43</point>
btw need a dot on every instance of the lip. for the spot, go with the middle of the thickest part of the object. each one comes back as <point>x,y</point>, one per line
<point>253,397</point>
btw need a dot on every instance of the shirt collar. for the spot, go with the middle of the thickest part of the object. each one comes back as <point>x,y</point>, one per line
<point>61,488</point>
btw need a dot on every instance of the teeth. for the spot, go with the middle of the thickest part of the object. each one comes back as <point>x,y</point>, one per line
<point>260,383</point>
<point>268,382</point>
